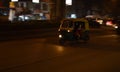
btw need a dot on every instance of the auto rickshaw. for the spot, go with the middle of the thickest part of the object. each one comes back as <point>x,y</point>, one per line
<point>73,30</point>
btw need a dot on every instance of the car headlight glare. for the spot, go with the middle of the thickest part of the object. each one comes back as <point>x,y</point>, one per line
<point>116,27</point>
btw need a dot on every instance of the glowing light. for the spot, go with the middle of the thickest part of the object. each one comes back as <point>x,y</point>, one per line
<point>109,23</point>
<point>73,16</point>
<point>68,30</point>
<point>14,0</point>
<point>12,5</point>
<point>35,1</point>
<point>116,27</point>
<point>60,36</point>
<point>100,21</point>
<point>11,15</point>
<point>68,2</point>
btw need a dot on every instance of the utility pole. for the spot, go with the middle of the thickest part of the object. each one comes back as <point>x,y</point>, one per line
<point>60,9</point>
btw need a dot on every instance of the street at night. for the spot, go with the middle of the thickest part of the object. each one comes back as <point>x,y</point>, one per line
<point>43,53</point>
<point>59,36</point>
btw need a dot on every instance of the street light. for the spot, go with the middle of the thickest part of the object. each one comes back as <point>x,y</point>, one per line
<point>35,1</point>
<point>14,0</point>
<point>68,2</point>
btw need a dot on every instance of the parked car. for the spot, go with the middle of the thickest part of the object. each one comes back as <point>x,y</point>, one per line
<point>117,27</point>
<point>94,24</point>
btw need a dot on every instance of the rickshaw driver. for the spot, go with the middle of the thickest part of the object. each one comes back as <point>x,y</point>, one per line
<point>82,29</point>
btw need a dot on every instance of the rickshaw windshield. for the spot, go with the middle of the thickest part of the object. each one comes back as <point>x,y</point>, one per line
<point>67,23</point>
<point>79,24</point>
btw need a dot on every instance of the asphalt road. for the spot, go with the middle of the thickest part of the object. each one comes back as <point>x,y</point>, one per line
<point>43,53</point>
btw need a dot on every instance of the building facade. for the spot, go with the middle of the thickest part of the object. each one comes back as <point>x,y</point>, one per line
<point>81,8</point>
<point>45,9</point>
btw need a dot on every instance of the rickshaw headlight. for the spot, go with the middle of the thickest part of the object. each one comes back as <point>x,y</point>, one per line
<point>60,36</point>
<point>68,30</point>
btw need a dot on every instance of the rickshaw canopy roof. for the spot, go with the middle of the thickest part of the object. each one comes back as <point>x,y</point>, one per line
<point>78,19</point>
